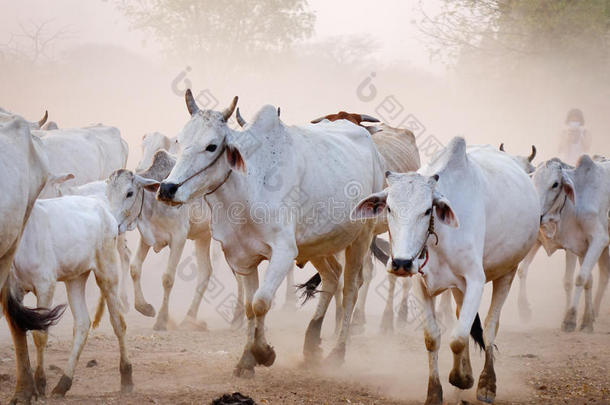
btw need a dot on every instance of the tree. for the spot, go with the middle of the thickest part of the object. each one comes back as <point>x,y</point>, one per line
<point>231,29</point>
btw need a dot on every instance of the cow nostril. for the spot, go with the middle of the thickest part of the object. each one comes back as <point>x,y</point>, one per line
<point>168,190</point>
<point>404,264</point>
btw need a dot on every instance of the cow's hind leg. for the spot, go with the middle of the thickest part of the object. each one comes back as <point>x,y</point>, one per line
<point>368,272</point>
<point>291,298</point>
<point>204,267</point>
<point>525,311</point>
<point>330,271</point>
<point>141,305</point>
<point>604,273</point>
<point>354,256</point>
<point>107,281</point>
<point>175,253</point>
<point>44,300</point>
<point>486,389</point>
<point>387,319</point>
<point>78,305</point>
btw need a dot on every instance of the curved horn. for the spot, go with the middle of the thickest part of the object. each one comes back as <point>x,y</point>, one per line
<point>191,105</point>
<point>367,118</point>
<point>229,111</point>
<point>43,119</point>
<point>278,111</point>
<point>533,154</point>
<point>242,122</point>
<point>318,120</point>
<point>502,147</point>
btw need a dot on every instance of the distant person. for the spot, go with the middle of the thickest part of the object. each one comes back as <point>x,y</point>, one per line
<point>575,139</point>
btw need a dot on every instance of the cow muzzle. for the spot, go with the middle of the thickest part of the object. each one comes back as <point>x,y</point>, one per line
<point>402,267</point>
<point>167,193</point>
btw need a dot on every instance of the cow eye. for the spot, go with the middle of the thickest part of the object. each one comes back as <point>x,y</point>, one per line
<point>428,211</point>
<point>555,185</point>
<point>129,194</point>
<point>211,148</point>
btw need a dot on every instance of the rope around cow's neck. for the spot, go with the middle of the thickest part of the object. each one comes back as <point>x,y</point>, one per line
<point>424,249</point>
<point>222,150</point>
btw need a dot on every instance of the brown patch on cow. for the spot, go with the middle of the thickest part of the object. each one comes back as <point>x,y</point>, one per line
<point>161,166</point>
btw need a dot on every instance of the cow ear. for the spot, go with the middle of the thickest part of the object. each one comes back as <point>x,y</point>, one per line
<point>235,160</point>
<point>148,184</point>
<point>444,212</point>
<point>567,185</point>
<point>371,206</point>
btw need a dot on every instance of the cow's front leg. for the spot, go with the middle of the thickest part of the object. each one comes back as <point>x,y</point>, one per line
<point>461,374</point>
<point>239,310</point>
<point>124,256</point>
<point>445,310</point>
<point>354,256</point>
<point>525,311</point>
<point>141,305</point>
<point>486,389</point>
<point>368,272</point>
<point>432,338</point>
<point>330,271</point>
<point>387,319</point>
<point>604,273</point>
<point>596,247</point>
<point>204,271</point>
<point>44,300</point>
<point>291,298</point>
<point>175,253</point>
<point>245,366</point>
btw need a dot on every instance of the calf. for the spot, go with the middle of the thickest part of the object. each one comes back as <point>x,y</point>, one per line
<point>64,240</point>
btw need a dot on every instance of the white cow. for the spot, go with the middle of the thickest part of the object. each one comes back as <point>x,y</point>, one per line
<point>489,216</point>
<point>97,189</point>
<point>24,169</point>
<point>64,240</point>
<point>302,214</point>
<point>153,142</point>
<point>90,153</point>
<point>575,202</point>
<point>7,116</point>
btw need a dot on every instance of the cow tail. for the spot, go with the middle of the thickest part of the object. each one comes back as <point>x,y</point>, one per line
<point>380,249</point>
<point>99,312</point>
<point>25,318</point>
<point>476,332</point>
<point>309,288</point>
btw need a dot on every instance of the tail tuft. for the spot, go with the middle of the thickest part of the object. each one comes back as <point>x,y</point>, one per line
<point>476,332</point>
<point>309,288</point>
<point>29,318</point>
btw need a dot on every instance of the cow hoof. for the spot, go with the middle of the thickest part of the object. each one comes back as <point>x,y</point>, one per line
<point>264,355</point>
<point>587,327</point>
<point>146,310</point>
<point>23,397</point>
<point>190,323</point>
<point>243,372</point>
<point>568,326</point>
<point>62,387</point>
<point>463,382</point>
<point>486,390</point>
<point>40,379</point>
<point>435,392</point>
<point>486,395</point>
<point>337,356</point>
<point>126,378</point>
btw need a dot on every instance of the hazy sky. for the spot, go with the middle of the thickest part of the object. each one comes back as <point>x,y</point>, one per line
<point>387,21</point>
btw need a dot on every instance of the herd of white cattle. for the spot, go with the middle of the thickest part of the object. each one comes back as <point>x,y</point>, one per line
<point>317,193</point>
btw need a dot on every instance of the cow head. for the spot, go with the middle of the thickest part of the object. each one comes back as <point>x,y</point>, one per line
<point>208,154</point>
<point>554,186</point>
<point>153,142</point>
<point>410,201</point>
<point>524,161</point>
<point>125,192</point>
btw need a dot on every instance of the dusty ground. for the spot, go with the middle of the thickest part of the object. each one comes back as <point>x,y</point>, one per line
<point>536,363</point>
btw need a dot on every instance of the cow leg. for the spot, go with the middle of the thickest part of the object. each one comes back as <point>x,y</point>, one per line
<point>124,255</point>
<point>596,247</point>
<point>291,298</point>
<point>175,253</point>
<point>204,267</point>
<point>387,319</point>
<point>432,338</point>
<point>44,295</point>
<point>78,305</point>
<point>141,305</point>
<point>368,272</point>
<point>245,366</point>
<point>330,271</point>
<point>239,310</point>
<point>354,256</point>
<point>525,311</point>
<point>604,273</point>
<point>338,302</point>
<point>589,317</point>
<point>486,389</point>
<point>403,308</point>
<point>461,373</point>
<point>108,284</point>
